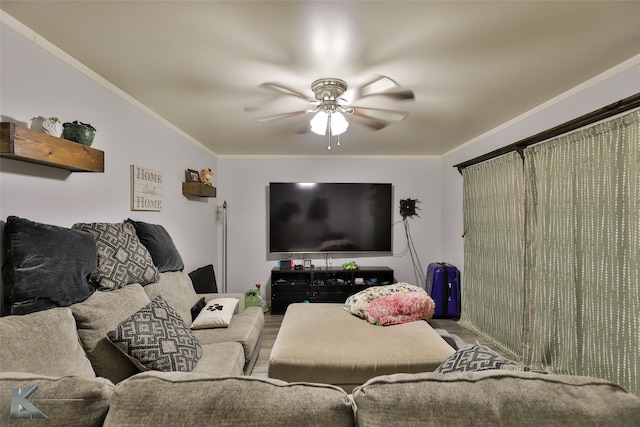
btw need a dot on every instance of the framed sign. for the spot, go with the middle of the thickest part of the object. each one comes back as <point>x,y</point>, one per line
<point>146,189</point>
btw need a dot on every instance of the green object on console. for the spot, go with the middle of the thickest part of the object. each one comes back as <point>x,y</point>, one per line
<point>252,298</point>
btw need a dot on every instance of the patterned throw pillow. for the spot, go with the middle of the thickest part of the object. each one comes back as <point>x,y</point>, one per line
<point>156,338</point>
<point>399,308</point>
<point>356,303</point>
<point>477,357</point>
<point>216,314</point>
<point>122,259</point>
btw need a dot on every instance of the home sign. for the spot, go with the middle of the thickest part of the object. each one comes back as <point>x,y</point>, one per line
<point>146,189</point>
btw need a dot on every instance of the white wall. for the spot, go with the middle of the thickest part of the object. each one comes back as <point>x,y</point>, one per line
<point>611,86</point>
<point>34,82</point>
<point>243,183</point>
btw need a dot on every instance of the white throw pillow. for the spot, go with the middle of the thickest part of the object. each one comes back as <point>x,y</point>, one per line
<point>216,314</point>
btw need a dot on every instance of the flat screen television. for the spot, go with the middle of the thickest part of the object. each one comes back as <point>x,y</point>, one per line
<point>330,217</point>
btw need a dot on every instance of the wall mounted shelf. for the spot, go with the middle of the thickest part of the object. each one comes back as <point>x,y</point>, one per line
<point>198,189</point>
<point>31,146</point>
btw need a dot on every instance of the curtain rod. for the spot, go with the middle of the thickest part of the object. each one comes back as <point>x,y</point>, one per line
<point>610,110</point>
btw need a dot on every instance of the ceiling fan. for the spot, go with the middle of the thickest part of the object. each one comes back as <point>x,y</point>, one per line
<point>329,105</point>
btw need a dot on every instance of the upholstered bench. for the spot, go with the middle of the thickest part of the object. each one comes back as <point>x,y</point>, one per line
<point>324,343</point>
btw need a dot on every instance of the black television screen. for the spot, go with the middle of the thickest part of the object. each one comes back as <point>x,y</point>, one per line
<point>330,217</point>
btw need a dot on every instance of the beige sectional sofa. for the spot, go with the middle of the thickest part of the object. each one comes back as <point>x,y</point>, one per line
<point>82,380</point>
<point>71,342</point>
<point>58,368</point>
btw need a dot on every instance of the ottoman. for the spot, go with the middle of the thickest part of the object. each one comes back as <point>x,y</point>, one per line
<point>324,343</point>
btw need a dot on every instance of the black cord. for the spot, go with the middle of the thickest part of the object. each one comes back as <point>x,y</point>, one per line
<point>415,260</point>
<point>406,248</point>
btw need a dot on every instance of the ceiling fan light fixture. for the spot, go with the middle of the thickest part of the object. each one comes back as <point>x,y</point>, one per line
<point>319,123</point>
<point>335,122</point>
<point>339,124</point>
<point>327,93</point>
<point>330,107</point>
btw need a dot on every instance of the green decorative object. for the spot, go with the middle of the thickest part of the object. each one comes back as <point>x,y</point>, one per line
<point>350,265</point>
<point>252,298</point>
<point>79,132</point>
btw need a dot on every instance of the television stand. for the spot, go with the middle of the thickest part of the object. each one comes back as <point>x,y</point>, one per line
<point>329,284</point>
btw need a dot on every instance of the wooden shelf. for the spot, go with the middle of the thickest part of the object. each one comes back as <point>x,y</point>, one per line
<point>198,189</point>
<point>31,146</point>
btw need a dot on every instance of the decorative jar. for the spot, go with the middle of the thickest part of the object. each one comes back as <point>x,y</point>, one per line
<point>82,133</point>
<point>48,125</point>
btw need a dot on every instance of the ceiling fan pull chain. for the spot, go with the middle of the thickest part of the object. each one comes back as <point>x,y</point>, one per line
<point>338,140</point>
<point>329,130</point>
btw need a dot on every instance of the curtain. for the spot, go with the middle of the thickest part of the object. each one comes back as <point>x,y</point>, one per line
<point>492,301</point>
<point>582,280</point>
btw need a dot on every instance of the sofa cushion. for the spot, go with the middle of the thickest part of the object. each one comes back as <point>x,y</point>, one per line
<point>244,328</point>
<point>494,397</point>
<point>157,240</point>
<point>356,303</point>
<point>99,314</point>
<point>44,343</point>
<point>156,338</point>
<point>65,400</point>
<point>177,290</point>
<point>225,358</point>
<point>176,398</point>
<point>217,313</point>
<point>477,357</point>
<point>399,308</point>
<point>122,259</point>
<point>45,265</point>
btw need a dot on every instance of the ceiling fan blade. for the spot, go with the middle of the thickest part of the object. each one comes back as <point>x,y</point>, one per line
<point>377,85</point>
<point>381,114</point>
<point>382,86</point>
<point>373,124</point>
<point>283,90</point>
<point>399,95</point>
<point>279,116</point>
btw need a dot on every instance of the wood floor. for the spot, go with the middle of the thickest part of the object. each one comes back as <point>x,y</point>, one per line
<point>273,321</point>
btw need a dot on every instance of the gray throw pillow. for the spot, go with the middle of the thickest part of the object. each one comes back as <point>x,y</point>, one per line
<point>46,266</point>
<point>157,240</point>
<point>156,338</point>
<point>477,357</point>
<point>122,259</point>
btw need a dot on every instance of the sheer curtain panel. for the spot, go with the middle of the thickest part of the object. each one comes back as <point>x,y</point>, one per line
<point>582,281</point>
<point>492,301</point>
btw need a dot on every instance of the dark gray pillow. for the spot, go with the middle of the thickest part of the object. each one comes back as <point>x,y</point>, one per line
<point>157,240</point>
<point>122,259</point>
<point>46,266</point>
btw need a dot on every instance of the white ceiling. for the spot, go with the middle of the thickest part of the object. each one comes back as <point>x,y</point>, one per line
<point>473,65</point>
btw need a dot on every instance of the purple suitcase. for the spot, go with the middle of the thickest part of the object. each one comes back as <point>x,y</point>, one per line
<point>443,285</point>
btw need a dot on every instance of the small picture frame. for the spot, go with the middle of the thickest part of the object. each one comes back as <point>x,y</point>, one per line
<point>307,263</point>
<point>192,175</point>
